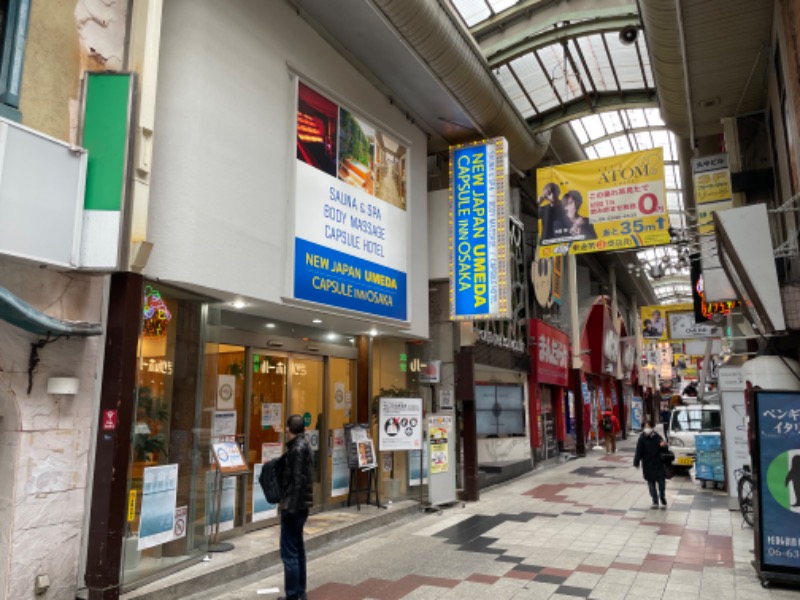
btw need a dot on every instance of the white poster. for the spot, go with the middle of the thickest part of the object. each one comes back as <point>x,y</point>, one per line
<point>400,424</point>
<point>338,396</point>
<point>159,497</point>
<point>224,423</point>
<point>446,399</point>
<point>414,466</point>
<point>340,478</point>
<point>270,451</point>
<point>227,506</point>
<point>261,508</point>
<point>272,416</point>
<point>226,392</point>
<point>348,400</point>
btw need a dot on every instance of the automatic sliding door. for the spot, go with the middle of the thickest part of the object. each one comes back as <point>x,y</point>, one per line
<point>306,393</point>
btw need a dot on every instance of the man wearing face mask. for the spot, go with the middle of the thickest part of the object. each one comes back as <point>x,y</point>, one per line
<point>648,454</point>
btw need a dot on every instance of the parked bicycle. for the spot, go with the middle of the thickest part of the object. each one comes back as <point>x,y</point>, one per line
<point>744,489</point>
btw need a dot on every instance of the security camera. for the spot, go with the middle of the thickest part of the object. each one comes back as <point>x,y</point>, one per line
<point>628,35</point>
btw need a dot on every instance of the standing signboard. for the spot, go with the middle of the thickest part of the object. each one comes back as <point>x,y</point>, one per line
<point>442,460</point>
<point>479,224</point>
<point>776,472</point>
<point>734,425</point>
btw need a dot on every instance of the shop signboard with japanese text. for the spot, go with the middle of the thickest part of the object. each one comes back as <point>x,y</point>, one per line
<point>712,188</point>
<point>550,356</point>
<point>776,464</point>
<point>615,203</point>
<point>351,222</point>
<point>479,229</point>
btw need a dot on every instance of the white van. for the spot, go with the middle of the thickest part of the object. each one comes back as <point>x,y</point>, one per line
<point>687,421</point>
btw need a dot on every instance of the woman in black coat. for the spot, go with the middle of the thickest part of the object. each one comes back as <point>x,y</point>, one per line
<point>648,454</point>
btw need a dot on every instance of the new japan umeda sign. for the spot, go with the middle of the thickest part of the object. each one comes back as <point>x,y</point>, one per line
<point>478,231</point>
<point>614,203</point>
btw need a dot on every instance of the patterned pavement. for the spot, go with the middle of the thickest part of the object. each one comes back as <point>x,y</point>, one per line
<point>582,529</point>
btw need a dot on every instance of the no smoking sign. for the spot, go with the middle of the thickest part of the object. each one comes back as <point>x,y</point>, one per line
<point>179,530</point>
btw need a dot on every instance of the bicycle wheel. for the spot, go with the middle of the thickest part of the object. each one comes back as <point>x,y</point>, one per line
<point>745,492</point>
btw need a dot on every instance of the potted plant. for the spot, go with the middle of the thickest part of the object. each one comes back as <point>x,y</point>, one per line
<point>148,440</point>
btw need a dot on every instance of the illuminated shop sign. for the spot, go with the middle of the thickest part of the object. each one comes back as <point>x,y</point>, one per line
<point>550,358</point>
<point>479,229</point>
<point>709,309</point>
<point>351,223</point>
<point>156,313</point>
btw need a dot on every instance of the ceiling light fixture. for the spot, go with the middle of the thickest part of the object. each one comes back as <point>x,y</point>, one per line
<point>316,321</point>
<point>238,304</point>
<point>270,325</point>
<point>373,332</point>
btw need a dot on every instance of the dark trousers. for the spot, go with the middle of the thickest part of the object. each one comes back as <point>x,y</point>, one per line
<point>651,485</point>
<point>293,554</point>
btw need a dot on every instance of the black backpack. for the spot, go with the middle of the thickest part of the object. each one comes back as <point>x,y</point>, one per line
<point>271,480</point>
<point>607,424</point>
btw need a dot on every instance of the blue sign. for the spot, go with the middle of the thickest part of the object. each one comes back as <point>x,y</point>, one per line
<point>778,475</point>
<point>636,413</point>
<point>334,278</point>
<point>479,232</point>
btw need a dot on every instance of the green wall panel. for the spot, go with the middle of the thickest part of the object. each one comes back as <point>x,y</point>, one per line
<point>105,136</point>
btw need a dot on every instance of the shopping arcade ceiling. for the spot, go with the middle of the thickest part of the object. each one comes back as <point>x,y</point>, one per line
<point>578,68</point>
<point>406,50</point>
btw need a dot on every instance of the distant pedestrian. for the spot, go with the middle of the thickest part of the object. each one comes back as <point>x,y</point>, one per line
<point>610,426</point>
<point>648,454</point>
<point>298,497</point>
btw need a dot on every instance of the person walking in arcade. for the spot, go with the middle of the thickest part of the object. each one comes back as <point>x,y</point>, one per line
<point>610,426</point>
<point>648,454</point>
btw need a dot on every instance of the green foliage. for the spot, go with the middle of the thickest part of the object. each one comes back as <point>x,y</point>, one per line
<point>155,413</point>
<point>353,142</point>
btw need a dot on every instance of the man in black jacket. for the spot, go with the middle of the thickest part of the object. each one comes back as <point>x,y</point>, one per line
<point>298,497</point>
<point>648,453</point>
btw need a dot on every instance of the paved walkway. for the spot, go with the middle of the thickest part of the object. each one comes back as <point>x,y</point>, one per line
<point>583,529</point>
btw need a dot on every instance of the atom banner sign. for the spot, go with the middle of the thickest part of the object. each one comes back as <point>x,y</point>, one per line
<point>479,226</point>
<point>614,203</point>
<point>775,416</point>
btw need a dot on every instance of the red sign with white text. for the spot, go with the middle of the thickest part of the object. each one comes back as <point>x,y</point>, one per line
<point>109,420</point>
<point>550,355</point>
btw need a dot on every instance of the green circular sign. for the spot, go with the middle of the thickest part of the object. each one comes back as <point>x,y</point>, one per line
<point>307,419</point>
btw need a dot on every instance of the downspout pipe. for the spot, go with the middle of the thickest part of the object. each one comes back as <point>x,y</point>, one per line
<point>429,30</point>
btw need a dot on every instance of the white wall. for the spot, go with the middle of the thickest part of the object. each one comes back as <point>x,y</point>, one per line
<point>45,440</point>
<point>224,154</point>
<point>438,234</point>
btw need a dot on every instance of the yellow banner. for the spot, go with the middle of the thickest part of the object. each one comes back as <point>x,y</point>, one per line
<point>713,190</point>
<point>614,203</point>
<point>654,320</point>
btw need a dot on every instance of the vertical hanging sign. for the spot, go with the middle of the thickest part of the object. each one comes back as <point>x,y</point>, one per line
<point>478,237</point>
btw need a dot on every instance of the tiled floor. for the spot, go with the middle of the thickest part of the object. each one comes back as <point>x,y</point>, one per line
<point>583,529</point>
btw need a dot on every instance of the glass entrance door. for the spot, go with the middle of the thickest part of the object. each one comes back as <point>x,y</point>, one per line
<point>340,411</point>
<point>306,397</point>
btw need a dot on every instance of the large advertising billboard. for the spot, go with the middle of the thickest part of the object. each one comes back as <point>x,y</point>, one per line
<point>351,224</point>
<point>777,473</point>
<point>614,203</point>
<point>478,240</point>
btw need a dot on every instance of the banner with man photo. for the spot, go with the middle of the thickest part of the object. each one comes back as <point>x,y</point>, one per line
<point>653,323</point>
<point>614,203</point>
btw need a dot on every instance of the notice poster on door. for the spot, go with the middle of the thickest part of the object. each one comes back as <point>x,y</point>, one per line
<point>159,498</point>
<point>270,451</point>
<point>272,416</point>
<point>224,424</point>
<point>226,392</point>
<point>340,476</point>
<point>261,508</point>
<point>438,442</point>
<point>400,424</point>
<point>339,396</point>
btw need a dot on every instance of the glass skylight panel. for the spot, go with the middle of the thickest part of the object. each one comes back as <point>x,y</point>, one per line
<point>654,117</point>
<point>644,140</point>
<point>514,92</point>
<point>637,118</point>
<point>594,126</point>
<point>673,201</point>
<point>591,152</point>
<point>579,130</point>
<point>562,75</point>
<point>621,144</point>
<point>626,63</point>
<point>534,81</point>
<point>605,149</point>
<point>670,178</point>
<point>596,58</point>
<point>501,5</point>
<point>612,121</point>
<point>472,11</point>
